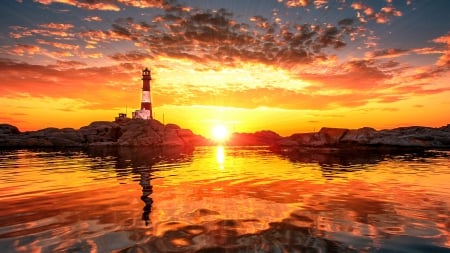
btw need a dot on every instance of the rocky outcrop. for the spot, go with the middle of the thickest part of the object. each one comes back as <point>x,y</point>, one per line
<point>326,136</point>
<point>101,131</point>
<point>416,136</point>
<point>135,133</point>
<point>141,133</point>
<point>8,129</point>
<point>261,138</point>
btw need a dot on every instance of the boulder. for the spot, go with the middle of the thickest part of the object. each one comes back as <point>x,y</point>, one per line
<point>359,136</point>
<point>66,137</point>
<point>332,136</point>
<point>171,126</point>
<point>260,138</point>
<point>302,138</point>
<point>190,139</point>
<point>325,137</point>
<point>445,128</point>
<point>141,133</point>
<point>415,136</point>
<point>171,138</point>
<point>156,126</point>
<point>101,131</point>
<point>287,143</point>
<point>7,129</point>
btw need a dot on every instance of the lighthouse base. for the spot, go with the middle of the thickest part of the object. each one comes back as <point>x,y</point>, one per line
<point>142,114</point>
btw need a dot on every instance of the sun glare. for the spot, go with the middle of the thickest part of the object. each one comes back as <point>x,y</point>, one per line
<point>220,133</point>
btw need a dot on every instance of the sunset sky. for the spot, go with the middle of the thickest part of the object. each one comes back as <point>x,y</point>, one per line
<point>284,65</point>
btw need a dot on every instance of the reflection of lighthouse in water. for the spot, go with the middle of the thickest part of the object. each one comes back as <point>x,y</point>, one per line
<point>147,189</point>
<point>146,103</point>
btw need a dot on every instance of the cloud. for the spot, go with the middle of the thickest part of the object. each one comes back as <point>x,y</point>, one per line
<point>134,56</point>
<point>90,5</point>
<point>58,45</point>
<point>144,3</point>
<point>57,26</point>
<point>22,49</point>
<point>366,12</point>
<point>216,36</point>
<point>420,89</point>
<point>93,19</point>
<point>109,5</point>
<point>356,75</point>
<point>64,81</point>
<point>93,37</point>
<point>318,4</point>
<point>444,60</point>
<point>387,53</point>
<point>259,97</point>
<point>389,64</point>
<point>68,64</point>
<point>61,30</point>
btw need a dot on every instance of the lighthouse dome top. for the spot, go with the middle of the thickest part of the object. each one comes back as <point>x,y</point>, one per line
<point>146,72</point>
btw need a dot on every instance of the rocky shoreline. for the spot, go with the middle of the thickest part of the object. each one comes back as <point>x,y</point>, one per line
<point>369,138</point>
<point>152,133</point>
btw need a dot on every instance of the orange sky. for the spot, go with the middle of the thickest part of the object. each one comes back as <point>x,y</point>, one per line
<point>288,66</point>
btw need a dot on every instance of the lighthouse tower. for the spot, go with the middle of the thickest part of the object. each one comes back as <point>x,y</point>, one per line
<point>146,103</point>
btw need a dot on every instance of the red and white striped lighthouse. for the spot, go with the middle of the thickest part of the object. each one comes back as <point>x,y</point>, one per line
<point>146,103</point>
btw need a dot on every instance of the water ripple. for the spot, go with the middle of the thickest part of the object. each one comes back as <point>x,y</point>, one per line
<point>223,199</point>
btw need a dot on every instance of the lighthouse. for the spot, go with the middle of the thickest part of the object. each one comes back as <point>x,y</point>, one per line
<point>146,103</point>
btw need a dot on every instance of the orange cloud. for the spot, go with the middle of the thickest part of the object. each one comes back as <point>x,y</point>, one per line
<point>61,81</point>
<point>90,5</point>
<point>55,26</point>
<point>93,19</point>
<point>387,53</point>
<point>21,49</point>
<point>444,60</point>
<point>58,44</point>
<point>46,30</point>
<point>144,3</point>
<point>383,16</point>
<point>304,3</point>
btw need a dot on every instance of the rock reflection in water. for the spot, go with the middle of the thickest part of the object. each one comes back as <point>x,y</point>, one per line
<point>335,161</point>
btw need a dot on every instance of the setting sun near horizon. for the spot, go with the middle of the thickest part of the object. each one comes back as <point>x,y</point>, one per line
<point>220,133</point>
<point>281,65</point>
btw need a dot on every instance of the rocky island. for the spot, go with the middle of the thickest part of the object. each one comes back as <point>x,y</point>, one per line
<point>152,133</point>
<point>133,133</point>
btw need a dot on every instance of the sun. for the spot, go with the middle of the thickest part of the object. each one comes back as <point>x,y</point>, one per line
<point>220,133</point>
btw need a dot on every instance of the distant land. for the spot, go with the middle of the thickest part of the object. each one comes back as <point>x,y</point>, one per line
<point>152,133</point>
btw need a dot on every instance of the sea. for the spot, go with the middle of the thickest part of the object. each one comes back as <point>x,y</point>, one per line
<point>224,199</point>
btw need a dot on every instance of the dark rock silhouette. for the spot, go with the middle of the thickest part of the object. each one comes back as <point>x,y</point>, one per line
<point>8,129</point>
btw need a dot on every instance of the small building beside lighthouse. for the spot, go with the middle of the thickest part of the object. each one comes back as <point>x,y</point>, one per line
<point>146,103</point>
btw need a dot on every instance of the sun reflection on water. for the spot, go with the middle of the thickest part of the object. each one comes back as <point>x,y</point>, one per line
<point>220,156</point>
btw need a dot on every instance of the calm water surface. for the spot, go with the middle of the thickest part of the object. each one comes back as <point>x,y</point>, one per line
<point>223,199</point>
